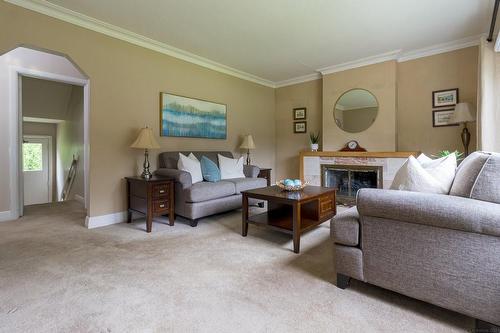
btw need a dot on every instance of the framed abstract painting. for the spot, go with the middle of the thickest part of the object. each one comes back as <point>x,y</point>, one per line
<point>191,117</point>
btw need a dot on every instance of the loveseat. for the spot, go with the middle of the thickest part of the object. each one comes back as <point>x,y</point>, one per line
<point>441,249</point>
<point>194,201</point>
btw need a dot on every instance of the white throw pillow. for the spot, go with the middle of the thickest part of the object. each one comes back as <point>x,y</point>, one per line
<point>431,176</point>
<point>192,165</point>
<point>230,167</point>
<point>443,169</point>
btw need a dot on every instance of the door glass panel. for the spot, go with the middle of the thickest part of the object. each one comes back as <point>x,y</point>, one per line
<point>32,157</point>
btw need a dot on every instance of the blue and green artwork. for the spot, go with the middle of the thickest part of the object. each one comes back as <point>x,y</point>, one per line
<point>193,118</point>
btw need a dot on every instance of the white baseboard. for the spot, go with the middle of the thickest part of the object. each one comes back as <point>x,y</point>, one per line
<point>104,220</point>
<point>80,199</point>
<point>7,216</point>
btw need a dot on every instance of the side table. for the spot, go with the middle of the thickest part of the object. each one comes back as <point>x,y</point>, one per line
<point>151,197</point>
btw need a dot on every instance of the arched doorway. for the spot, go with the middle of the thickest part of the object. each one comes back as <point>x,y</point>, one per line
<point>50,70</point>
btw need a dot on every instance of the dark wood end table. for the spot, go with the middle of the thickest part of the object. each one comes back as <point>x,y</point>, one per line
<point>151,197</point>
<point>265,173</point>
<point>290,212</point>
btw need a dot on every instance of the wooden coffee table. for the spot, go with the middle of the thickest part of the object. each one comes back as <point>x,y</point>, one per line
<point>290,212</point>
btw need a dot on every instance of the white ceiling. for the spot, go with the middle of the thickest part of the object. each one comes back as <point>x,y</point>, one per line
<point>279,40</point>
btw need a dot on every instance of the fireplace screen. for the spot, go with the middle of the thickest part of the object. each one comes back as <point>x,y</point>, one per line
<point>348,179</point>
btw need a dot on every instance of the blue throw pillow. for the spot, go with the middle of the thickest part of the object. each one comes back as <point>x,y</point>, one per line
<point>209,170</point>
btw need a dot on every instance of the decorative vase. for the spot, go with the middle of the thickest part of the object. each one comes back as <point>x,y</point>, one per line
<point>314,146</point>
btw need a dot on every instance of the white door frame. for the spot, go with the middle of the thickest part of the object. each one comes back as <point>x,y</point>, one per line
<point>16,134</point>
<point>51,156</point>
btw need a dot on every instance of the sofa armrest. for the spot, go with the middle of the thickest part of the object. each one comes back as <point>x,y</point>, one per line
<point>181,177</point>
<point>251,171</point>
<point>438,210</point>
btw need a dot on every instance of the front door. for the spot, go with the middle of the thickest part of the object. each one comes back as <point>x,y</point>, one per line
<point>36,170</point>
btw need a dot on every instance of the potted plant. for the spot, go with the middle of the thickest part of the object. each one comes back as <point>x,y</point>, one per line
<point>314,138</point>
<point>444,153</point>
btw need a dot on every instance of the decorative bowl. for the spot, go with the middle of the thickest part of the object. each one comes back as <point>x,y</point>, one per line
<point>290,188</point>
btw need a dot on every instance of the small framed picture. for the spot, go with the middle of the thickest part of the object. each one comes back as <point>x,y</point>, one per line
<point>441,98</point>
<point>441,118</point>
<point>299,113</point>
<point>300,127</point>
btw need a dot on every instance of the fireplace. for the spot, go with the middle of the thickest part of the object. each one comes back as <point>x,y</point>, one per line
<point>348,179</point>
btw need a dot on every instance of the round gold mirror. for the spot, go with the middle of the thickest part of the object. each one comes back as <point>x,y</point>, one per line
<point>355,110</point>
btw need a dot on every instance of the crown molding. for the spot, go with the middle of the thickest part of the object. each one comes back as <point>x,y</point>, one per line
<point>299,79</point>
<point>67,15</point>
<point>440,48</point>
<point>375,59</point>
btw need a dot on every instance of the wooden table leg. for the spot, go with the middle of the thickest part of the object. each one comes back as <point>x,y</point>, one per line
<point>149,222</point>
<point>171,212</point>
<point>296,227</point>
<point>244,218</point>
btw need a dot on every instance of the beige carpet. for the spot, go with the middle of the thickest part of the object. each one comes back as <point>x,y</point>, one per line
<point>57,276</point>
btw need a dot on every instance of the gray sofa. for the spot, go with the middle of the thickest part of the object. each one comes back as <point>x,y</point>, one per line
<point>442,249</point>
<point>194,201</point>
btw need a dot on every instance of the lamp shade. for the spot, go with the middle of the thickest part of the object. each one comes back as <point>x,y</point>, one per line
<point>248,142</point>
<point>463,113</point>
<point>145,140</point>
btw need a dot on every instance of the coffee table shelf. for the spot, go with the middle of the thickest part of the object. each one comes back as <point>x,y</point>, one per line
<point>281,220</point>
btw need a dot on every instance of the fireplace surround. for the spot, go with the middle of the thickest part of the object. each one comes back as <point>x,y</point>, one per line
<point>348,179</point>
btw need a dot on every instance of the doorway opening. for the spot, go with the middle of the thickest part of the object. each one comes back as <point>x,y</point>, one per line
<point>52,142</point>
<point>47,125</point>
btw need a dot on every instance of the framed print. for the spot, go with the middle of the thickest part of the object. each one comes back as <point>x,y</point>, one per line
<point>300,127</point>
<point>441,118</point>
<point>299,113</point>
<point>443,98</point>
<point>191,117</point>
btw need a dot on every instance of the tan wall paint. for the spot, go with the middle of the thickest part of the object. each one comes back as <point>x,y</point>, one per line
<point>125,82</point>
<point>289,144</point>
<point>416,81</point>
<point>409,83</point>
<point>380,80</point>
<point>70,138</point>
<point>45,99</point>
<point>49,130</point>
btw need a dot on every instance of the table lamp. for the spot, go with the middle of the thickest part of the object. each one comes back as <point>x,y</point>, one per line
<point>462,115</point>
<point>248,144</point>
<point>145,140</point>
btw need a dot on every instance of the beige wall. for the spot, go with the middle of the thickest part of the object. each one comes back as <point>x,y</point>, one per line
<point>125,82</point>
<point>45,99</point>
<point>416,81</point>
<point>380,80</point>
<point>30,128</point>
<point>404,92</point>
<point>70,138</point>
<point>289,144</point>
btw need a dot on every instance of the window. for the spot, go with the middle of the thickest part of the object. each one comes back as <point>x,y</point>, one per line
<point>32,157</point>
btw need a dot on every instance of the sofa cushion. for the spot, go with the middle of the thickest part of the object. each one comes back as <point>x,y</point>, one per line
<point>169,159</point>
<point>209,170</point>
<point>230,167</point>
<point>204,191</point>
<point>344,227</point>
<point>435,176</point>
<point>467,173</point>
<point>192,165</point>
<point>243,184</point>
<point>487,185</point>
